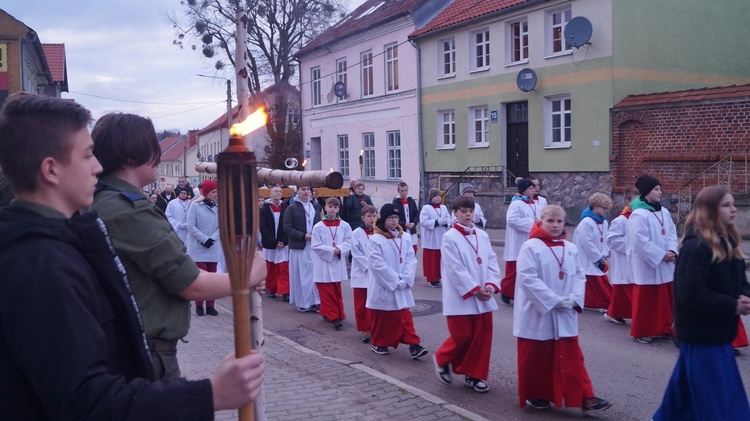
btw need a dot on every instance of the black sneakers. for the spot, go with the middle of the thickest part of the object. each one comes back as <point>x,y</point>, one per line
<point>593,405</point>
<point>615,320</point>
<point>476,384</point>
<point>417,351</point>
<point>315,308</point>
<point>538,403</point>
<point>380,350</point>
<point>199,310</point>
<point>443,372</point>
<point>271,295</point>
<point>338,324</point>
<point>366,339</point>
<point>285,298</point>
<point>211,311</point>
<point>435,284</point>
<point>505,299</point>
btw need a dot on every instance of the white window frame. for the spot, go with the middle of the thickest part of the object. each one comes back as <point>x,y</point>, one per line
<point>394,154</point>
<point>447,58</point>
<point>555,31</point>
<point>483,44</point>
<point>549,124</point>
<point>315,87</point>
<point>517,40</point>
<point>483,129</point>
<point>343,154</point>
<point>341,76</point>
<point>368,146</point>
<point>446,130</point>
<point>391,68</point>
<point>366,74</point>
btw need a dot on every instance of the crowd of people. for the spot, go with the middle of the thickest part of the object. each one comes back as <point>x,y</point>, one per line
<point>104,275</point>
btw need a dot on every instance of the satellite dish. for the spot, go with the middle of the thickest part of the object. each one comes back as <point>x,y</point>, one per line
<point>578,31</point>
<point>526,80</point>
<point>339,89</point>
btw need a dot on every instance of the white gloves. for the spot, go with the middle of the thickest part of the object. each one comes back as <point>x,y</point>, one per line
<point>567,303</point>
<point>401,285</point>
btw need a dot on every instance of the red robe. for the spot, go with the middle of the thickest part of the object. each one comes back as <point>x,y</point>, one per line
<point>469,345</point>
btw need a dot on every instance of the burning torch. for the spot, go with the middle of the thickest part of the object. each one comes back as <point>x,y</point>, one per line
<point>238,218</point>
<point>361,162</point>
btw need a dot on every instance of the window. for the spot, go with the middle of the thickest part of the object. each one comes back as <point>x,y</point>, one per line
<point>315,86</point>
<point>447,58</point>
<point>394,155</point>
<point>391,68</point>
<point>178,169</point>
<point>341,75</point>
<point>367,79</point>
<point>344,155</point>
<point>292,114</point>
<point>480,127</point>
<point>446,129</point>
<point>518,41</point>
<point>480,51</point>
<point>556,22</point>
<point>368,145</point>
<point>558,110</point>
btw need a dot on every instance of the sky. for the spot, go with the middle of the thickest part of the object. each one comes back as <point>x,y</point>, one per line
<point>120,57</point>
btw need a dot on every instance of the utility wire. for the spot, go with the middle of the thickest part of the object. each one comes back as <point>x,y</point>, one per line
<point>142,102</point>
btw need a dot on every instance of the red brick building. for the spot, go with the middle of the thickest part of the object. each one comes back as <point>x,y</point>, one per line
<point>696,137</point>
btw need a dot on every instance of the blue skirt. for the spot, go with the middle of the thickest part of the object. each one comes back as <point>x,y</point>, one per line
<point>705,385</point>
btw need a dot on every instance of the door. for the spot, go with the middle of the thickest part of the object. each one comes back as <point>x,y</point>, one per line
<point>315,158</point>
<point>517,139</point>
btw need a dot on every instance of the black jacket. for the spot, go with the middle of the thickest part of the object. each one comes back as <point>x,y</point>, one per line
<point>413,214</point>
<point>162,200</point>
<point>706,294</point>
<point>72,345</point>
<point>351,210</point>
<point>268,238</point>
<point>295,225</point>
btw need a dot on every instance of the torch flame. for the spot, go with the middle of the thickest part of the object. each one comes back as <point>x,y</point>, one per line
<point>253,122</point>
<point>304,163</point>
<point>331,169</point>
<point>361,152</point>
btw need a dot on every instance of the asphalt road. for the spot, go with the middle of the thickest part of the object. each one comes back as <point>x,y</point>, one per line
<point>631,375</point>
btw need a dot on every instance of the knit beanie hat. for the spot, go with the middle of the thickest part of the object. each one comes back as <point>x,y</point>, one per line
<point>645,184</point>
<point>208,187</point>
<point>467,187</point>
<point>432,193</point>
<point>387,210</point>
<point>523,184</point>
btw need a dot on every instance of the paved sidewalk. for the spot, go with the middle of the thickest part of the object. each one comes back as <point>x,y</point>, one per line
<point>301,384</point>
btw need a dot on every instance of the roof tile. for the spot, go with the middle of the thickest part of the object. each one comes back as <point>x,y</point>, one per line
<point>357,21</point>
<point>465,10</point>
<point>55,54</point>
<point>690,95</point>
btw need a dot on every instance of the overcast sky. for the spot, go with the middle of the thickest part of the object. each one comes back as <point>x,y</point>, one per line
<point>120,57</point>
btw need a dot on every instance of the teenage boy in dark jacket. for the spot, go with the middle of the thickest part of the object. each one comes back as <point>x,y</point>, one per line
<point>275,245</point>
<point>74,347</point>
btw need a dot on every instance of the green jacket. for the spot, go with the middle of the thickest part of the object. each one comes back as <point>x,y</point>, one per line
<point>154,258</point>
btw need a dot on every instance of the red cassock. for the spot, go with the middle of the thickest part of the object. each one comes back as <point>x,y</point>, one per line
<point>277,277</point>
<point>431,264</point>
<point>621,306</point>
<point>653,306</point>
<point>392,327</point>
<point>361,313</point>
<point>552,370</point>
<point>469,346</point>
<point>331,303</point>
<point>508,283</point>
<point>598,291</point>
<point>741,340</point>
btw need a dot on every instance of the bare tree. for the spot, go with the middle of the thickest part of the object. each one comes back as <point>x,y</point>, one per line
<point>276,29</point>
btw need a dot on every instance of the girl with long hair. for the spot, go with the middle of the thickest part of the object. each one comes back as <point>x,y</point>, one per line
<point>711,293</point>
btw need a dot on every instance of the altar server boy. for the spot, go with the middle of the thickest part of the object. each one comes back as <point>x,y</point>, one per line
<point>435,221</point>
<point>331,242</point>
<point>360,269</point>
<point>620,271</point>
<point>593,251</point>
<point>470,276</point>
<point>392,267</point>
<point>549,295</point>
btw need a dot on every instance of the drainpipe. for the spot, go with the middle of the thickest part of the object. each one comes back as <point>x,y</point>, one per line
<point>422,180</point>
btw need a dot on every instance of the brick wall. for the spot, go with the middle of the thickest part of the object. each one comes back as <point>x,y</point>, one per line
<point>677,142</point>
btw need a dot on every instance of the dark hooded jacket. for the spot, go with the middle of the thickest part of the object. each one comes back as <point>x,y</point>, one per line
<point>706,293</point>
<point>72,343</point>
